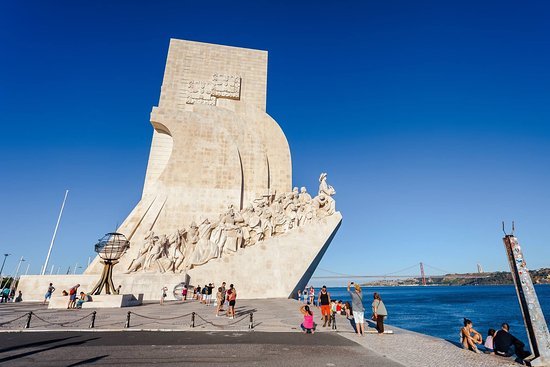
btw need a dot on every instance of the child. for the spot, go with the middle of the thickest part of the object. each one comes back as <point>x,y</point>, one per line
<point>308,326</point>
<point>489,341</point>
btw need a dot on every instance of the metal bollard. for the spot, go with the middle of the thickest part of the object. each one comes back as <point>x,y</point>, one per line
<point>193,319</point>
<point>127,325</point>
<point>92,323</point>
<point>333,317</point>
<point>28,323</point>
<point>251,324</point>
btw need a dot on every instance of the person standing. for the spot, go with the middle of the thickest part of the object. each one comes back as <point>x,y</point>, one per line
<point>232,298</point>
<point>324,302</point>
<point>219,301</point>
<point>379,312</point>
<point>184,292</point>
<point>163,294</point>
<point>357,307</point>
<point>312,296</point>
<point>49,293</point>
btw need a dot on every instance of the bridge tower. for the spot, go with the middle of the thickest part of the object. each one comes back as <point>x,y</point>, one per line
<point>422,274</point>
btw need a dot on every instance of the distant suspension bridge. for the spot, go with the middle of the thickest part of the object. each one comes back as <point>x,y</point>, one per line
<point>399,274</point>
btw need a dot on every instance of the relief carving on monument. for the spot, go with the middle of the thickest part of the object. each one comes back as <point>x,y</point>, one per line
<point>221,86</point>
<point>235,230</point>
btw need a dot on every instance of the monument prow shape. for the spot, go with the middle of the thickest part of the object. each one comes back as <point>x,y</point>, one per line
<point>218,203</point>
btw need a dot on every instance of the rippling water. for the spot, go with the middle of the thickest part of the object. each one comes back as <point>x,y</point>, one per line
<point>438,311</point>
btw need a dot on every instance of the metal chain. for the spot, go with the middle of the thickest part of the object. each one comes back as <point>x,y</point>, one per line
<point>62,323</point>
<point>168,318</point>
<point>221,326</point>
<point>9,322</point>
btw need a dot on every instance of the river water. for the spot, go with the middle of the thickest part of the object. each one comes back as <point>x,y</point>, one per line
<point>439,310</point>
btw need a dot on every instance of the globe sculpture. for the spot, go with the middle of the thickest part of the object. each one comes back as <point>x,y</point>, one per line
<point>110,248</point>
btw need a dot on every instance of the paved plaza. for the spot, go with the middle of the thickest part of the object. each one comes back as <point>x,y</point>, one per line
<point>165,333</point>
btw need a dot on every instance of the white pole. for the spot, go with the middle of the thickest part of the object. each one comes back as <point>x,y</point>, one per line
<point>58,269</point>
<point>28,266</point>
<point>75,267</point>
<point>51,270</point>
<point>54,233</point>
<point>89,259</point>
<point>16,272</point>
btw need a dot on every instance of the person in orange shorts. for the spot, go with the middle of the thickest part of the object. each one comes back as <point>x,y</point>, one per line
<point>324,302</point>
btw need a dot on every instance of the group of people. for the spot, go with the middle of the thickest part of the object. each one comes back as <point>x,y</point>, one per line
<point>76,300</point>
<point>225,300</point>
<point>330,308</point>
<point>8,295</point>
<point>500,342</point>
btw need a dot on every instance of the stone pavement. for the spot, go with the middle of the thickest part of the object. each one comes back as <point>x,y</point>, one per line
<point>271,315</point>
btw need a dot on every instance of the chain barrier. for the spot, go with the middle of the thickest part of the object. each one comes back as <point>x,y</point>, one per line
<point>93,314</point>
<point>62,324</point>
<point>17,318</point>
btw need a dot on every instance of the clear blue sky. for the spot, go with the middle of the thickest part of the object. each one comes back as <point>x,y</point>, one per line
<point>432,119</point>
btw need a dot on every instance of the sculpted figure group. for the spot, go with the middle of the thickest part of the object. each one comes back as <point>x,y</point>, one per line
<point>268,216</point>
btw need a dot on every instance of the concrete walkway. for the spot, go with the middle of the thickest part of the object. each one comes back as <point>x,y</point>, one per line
<point>272,315</point>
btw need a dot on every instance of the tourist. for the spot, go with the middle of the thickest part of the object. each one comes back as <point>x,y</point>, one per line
<point>5,294</point>
<point>312,296</point>
<point>305,295</point>
<point>197,293</point>
<point>64,293</point>
<point>339,307</point>
<point>49,293</point>
<point>163,294</point>
<point>308,326</point>
<point>203,294</point>
<point>324,301</point>
<point>224,298</point>
<point>19,297</point>
<point>470,337</point>
<point>299,295</point>
<point>232,298</point>
<point>184,292</point>
<point>379,312</point>
<point>83,298</point>
<point>347,310</point>
<point>489,341</point>
<point>506,345</point>
<point>72,296</point>
<point>209,294</point>
<point>358,309</point>
<point>219,301</point>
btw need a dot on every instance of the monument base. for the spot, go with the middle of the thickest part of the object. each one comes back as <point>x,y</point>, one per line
<point>101,301</point>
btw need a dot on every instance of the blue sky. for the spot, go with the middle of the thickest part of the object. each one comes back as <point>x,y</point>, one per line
<point>431,118</point>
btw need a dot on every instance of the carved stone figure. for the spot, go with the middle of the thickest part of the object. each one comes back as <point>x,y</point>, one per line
<point>325,195</point>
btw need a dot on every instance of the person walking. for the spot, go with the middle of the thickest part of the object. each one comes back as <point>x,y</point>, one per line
<point>357,307</point>
<point>379,312</point>
<point>184,293</point>
<point>232,298</point>
<point>324,302</point>
<point>49,293</point>
<point>312,296</point>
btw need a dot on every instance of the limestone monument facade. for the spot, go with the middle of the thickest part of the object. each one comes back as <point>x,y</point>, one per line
<point>217,202</point>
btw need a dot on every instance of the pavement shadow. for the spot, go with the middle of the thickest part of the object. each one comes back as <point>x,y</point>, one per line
<point>241,311</point>
<point>35,344</point>
<point>30,353</point>
<point>88,361</point>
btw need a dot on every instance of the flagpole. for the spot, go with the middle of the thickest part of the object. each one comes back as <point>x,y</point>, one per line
<point>54,234</point>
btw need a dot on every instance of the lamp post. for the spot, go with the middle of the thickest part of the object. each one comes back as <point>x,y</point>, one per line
<point>76,267</point>
<point>54,234</point>
<point>110,248</point>
<point>28,266</point>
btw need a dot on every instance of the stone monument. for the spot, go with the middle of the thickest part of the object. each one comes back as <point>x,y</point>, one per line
<point>217,202</point>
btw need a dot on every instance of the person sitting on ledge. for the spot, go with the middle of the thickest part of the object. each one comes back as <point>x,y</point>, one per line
<point>506,345</point>
<point>83,298</point>
<point>308,326</point>
<point>470,337</point>
<point>64,293</point>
